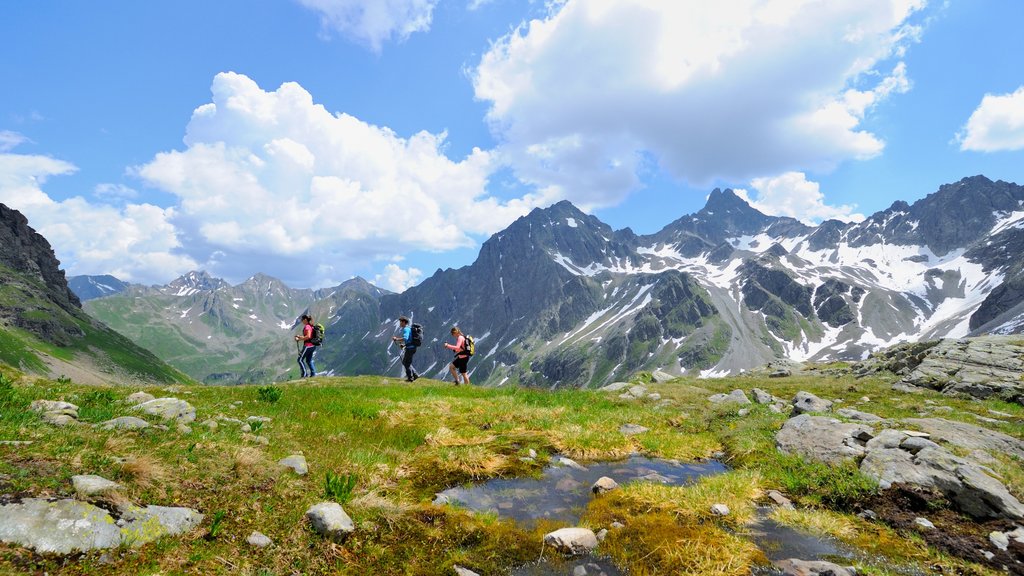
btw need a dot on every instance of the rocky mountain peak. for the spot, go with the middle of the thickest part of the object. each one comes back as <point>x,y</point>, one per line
<point>24,250</point>
<point>194,281</point>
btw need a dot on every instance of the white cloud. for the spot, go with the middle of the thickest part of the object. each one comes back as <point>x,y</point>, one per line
<point>996,125</point>
<point>587,97</point>
<point>108,191</point>
<point>476,4</point>
<point>274,182</point>
<point>136,242</point>
<point>373,22</point>
<point>792,194</point>
<point>397,279</point>
<point>9,140</point>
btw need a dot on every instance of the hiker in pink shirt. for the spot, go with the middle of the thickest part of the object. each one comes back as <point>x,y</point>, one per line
<point>461,360</point>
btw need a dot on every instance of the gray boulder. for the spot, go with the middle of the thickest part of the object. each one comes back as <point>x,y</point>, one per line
<point>662,377</point>
<point>762,397</point>
<point>329,520</point>
<point>719,510</point>
<point>140,398</point>
<point>142,525</point>
<point>56,406</point>
<point>805,402</point>
<point>604,484</point>
<point>736,396</point>
<point>259,540</point>
<point>58,419</point>
<point>59,527</point>
<point>125,423</point>
<point>89,485</point>
<point>821,438</point>
<point>572,540</point>
<point>169,409</point>
<point>968,436</point>
<point>297,462</point>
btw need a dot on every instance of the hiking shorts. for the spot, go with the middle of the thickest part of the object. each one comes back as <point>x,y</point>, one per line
<point>460,363</point>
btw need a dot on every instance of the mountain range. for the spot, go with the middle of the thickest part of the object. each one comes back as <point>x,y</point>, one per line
<point>559,298</point>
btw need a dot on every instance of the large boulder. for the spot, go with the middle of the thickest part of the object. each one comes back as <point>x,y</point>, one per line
<point>821,438</point>
<point>60,527</point>
<point>805,402</point>
<point>169,409</point>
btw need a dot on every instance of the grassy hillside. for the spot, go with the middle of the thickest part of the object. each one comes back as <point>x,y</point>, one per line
<point>403,443</point>
<point>38,336</point>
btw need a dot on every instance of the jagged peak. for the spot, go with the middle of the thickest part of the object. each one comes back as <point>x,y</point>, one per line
<point>725,200</point>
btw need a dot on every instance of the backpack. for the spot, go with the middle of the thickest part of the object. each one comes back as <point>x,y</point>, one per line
<point>417,335</point>
<point>468,345</point>
<point>318,335</point>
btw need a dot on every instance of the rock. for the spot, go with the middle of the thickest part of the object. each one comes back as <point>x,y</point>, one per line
<point>90,485</point>
<point>55,406</point>
<point>140,398</point>
<point>805,402</point>
<point>531,453</point>
<point>654,396</point>
<point>981,367</point>
<point>297,462</point>
<point>614,387</point>
<point>824,439</point>
<point>441,499</point>
<point>15,442</point>
<point>169,409</point>
<point>261,440</point>
<point>329,520</point>
<point>968,436</point>
<point>183,428</point>
<point>567,484</point>
<point>719,509</point>
<point>794,567</point>
<point>868,515</point>
<point>572,540</point>
<point>142,525</point>
<point>901,387</point>
<point>924,523</point>
<point>1000,414</point>
<point>857,415</point>
<point>632,429</point>
<point>60,527</point>
<point>999,540</point>
<point>263,419</point>
<point>125,423</point>
<point>743,412</point>
<point>245,428</point>
<point>736,396</point>
<point>638,391</point>
<point>662,377</point>
<point>762,397</point>
<point>864,399</point>
<point>259,540</point>
<point>604,484</point>
<point>59,420</point>
<point>210,424</point>
<point>460,571</point>
<point>775,408</point>
<point>602,534</point>
<point>570,463</point>
<point>780,373</point>
<point>780,500</point>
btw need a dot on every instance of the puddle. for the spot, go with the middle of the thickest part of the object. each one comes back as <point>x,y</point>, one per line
<point>591,566</point>
<point>562,493</point>
<point>779,542</point>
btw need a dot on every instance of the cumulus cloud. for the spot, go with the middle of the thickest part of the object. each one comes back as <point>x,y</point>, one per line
<point>792,194</point>
<point>588,97</point>
<point>9,140</point>
<point>996,125</point>
<point>273,181</point>
<point>136,242</point>
<point>373,22</point>
<point>398,279</point>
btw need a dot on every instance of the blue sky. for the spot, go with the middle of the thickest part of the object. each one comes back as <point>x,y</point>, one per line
<point>318,139</point>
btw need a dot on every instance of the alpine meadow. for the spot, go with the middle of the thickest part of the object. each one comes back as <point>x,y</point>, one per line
<point>718,289</point>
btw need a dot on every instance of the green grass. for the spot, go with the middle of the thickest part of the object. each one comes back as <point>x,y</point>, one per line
<point>384,448</point>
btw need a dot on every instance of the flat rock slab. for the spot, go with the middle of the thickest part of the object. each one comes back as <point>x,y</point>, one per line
<point>632,429</point>
<point>169,409</point>
<point>140,398</point>
<point>614,387</point>
<point>736,396</point>
<point>125,423</point>
<point>91,485</point>
<point>969,436</point>
<point>572,540</point>
<point>821,438</point>
<point>662,377</point>
<point>981,367</point>
<point>54,406</point>
<point>297,462</point>
<point>60,527</point>
<point>329,520</point>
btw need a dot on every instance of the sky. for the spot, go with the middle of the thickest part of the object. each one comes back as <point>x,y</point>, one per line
<point>316,140</point>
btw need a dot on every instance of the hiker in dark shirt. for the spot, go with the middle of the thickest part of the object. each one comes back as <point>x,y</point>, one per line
<point>409,349</point>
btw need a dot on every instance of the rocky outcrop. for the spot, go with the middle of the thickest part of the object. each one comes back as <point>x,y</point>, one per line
<point>988,366</point>
<point>24,250</point>
<point>823,439</point>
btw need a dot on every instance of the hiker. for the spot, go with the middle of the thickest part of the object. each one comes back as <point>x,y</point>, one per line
<point>461,361</point>
<point>308,348</point>
<point>409,345</point>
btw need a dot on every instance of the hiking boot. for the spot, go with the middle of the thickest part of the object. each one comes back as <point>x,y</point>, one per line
<point>415,377</point>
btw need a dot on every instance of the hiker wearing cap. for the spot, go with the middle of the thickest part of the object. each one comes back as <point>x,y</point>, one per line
<point>308,347</point>
<point>461,361</point>
<point>409,346</point>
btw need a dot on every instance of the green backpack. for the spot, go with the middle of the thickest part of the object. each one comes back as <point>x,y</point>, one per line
<point>318,335</point>
<point>468,345</point>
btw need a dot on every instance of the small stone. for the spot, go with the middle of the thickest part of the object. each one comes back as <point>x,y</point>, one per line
<point>297,462</point>
<point>743,412</point>
<point>58,419</point>
<point>868,515</point>
<point>999,540</point>
<point>140,398</point>
<point>736,396</point>
<point>654,396</point>
<point>780,373</point>
<point>602,534</point>
<point>924,523</point>
<point>259,540</point>
<point>460,571</point>
<point>330,521</point>
<point>531,453</point>
<point>246,428</point>
<point>580,570</point>
<point>761,397</point>
<point>261,440</point>
<point>604,484</point>
<point>183,428</point>
<point>125,423</point>
<point>988,555</point>
<point>795,567</point>
<point>632,429</point>
<point>865,399</point>
<point>916,434</point>
<point>90,485</point>
<point>441,499</point>
<point>572,540</point>
<point>617,525</point>
<point>775,408</point>
<point>719,509</point>
<point>570,463</point>
<point>209,423</point>
<point>780,500</point>
<point>263,419</point>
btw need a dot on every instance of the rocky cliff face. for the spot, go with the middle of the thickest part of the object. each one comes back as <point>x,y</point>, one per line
<point>26,252</point>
